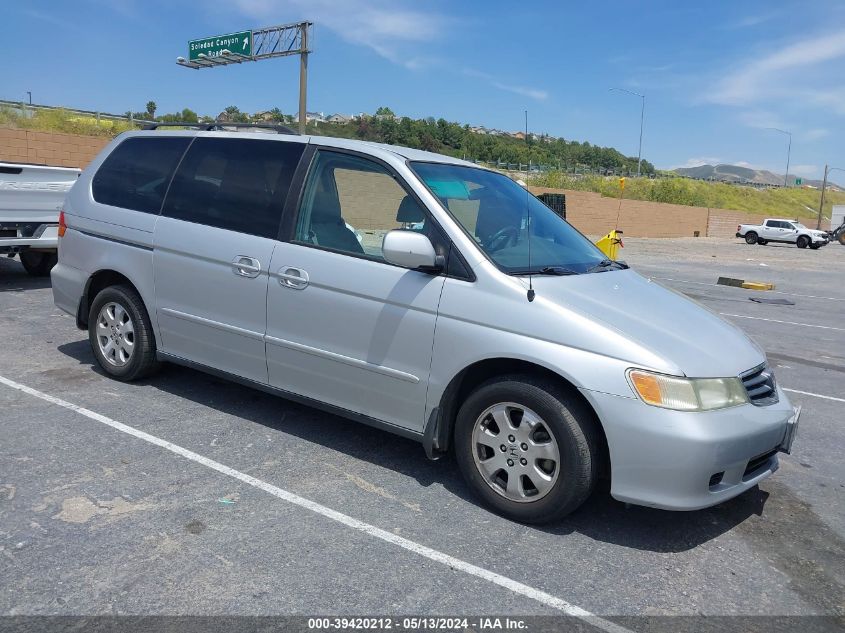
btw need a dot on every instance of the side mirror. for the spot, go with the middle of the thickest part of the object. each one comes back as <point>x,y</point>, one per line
<point>411,250</point>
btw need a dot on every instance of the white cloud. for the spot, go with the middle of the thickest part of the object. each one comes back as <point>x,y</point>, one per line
<point>526,91</point>
<point>698,162</point>
<point>815,134</point>
<point>775,74</point>
<point>385,27</point>
<point>803,170</point>
<point>753,20</point>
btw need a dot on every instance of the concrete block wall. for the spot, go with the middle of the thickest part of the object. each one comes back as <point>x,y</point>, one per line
<point>590,212</point>
<point>49,148</point>
<point>593,214</point>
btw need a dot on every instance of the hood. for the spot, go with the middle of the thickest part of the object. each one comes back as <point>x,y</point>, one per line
<point>677,329</point>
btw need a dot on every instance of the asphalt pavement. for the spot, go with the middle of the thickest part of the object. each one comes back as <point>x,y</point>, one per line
<point>292,510</point>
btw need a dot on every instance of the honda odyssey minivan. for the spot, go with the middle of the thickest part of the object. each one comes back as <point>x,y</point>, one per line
<point>422,295</point>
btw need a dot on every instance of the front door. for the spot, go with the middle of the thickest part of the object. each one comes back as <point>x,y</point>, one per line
<point>213,246</point>
<point>343,326</point>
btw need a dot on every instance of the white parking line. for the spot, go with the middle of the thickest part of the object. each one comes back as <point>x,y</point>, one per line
<point>815,395</point>
<point>412,546</point>
<point>744,316</point>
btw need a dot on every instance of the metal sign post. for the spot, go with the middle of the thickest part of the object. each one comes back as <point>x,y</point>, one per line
<point>253,46</point>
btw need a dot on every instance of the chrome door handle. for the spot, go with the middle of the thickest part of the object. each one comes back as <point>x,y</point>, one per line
<point>291,277</point>
<point>246,266</point>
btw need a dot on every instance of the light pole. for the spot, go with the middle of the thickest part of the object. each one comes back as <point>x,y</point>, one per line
<point>30,96</point>
<point>642,117</point>
<point>788,152</point>
<point>827,170</point>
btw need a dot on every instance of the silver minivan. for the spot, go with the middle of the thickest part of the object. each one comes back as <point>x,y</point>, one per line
<point>422,295</point>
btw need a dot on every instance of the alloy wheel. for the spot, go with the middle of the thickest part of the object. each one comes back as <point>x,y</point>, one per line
<point>515,452</point>
<point>115,334</point>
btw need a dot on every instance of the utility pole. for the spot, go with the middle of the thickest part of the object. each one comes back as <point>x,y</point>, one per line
<point>827,170</point>
<point>30,96</point>
<point>526,127</point>
<point>821,202</point>
<point>642,119</point>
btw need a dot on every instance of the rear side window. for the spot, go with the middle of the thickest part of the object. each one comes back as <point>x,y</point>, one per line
<point>136,174</point>
<point>234,184</point>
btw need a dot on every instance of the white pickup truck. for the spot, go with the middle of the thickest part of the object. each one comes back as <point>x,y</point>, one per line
<point>780,230</point>
<point>31,197</point>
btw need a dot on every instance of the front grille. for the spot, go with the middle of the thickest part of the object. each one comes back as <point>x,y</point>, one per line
<point>759,383</point>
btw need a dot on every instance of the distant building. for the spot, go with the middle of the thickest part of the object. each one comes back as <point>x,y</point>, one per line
<point>315,117</point>
<point>340,119</point>
<point>519,135</point>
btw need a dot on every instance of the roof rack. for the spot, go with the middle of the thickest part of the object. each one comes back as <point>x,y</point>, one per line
<point>222,125</point>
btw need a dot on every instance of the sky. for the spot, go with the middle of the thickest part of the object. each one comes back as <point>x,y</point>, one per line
<point>715,75</point>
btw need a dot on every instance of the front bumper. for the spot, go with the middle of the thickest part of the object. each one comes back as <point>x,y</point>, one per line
<point>677,460</point>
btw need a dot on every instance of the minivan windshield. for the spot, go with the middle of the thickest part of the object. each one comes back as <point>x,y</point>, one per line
<point>495,212</point>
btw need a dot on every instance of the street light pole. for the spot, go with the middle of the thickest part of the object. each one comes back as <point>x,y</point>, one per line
<point>642,118</point>
<point>788,152</point>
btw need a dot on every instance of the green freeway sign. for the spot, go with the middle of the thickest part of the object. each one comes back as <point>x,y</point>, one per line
<point>240,43</point>
<point>799,181</point>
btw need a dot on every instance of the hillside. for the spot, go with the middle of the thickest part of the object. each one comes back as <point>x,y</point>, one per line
<point>739,174</point>
<point>791,203</point>
<point>437,135</point>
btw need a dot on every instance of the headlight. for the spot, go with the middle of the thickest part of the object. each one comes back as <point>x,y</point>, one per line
<point>687,394</point>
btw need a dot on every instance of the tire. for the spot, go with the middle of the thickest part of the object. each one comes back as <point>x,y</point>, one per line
<point>751,237</point>
<point>132,353</point>
<point>841,238</point>
<point>803,241</point>
<point>762,242</point>
<point>38,264</point>
<point>815,247</point>
<point>555,423</point>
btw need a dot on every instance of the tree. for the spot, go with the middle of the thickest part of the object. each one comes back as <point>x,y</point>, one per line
<point>384,111</point>
<point>151,110</point>
<point>277,115</point>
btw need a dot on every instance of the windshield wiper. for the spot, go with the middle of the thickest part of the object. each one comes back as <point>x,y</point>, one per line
<point>559,271</point>
<point>607,264</point>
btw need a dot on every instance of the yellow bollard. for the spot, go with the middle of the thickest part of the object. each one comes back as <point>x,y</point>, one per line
<point>611,243</point>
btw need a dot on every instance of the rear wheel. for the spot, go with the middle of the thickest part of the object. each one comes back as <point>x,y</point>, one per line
<point>527,448</point>
<point>38,264</point>
<point>751,237</point>
<point>121,335</point>
<point>803,241</point>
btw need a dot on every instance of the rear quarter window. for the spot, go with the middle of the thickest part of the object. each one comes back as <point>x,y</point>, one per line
<point>136,174</point>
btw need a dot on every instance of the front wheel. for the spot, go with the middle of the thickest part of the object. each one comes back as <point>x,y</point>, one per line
<point>762,242</point>
<point>841,238</point>
<point>121,335</point>
<point>528,448</point>
<point>803,241</point>
<point>38,264</point>
<point>751,237</point>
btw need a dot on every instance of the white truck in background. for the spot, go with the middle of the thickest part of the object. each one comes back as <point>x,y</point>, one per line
<point>781,230</point>
<point>31,197</point>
